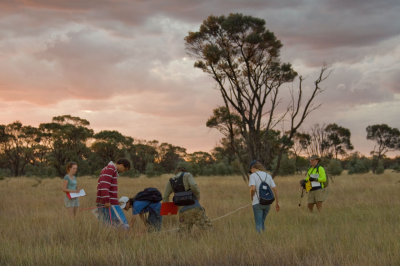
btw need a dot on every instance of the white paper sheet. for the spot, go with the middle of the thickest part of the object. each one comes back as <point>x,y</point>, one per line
<point>81,193</point>
<point>315,184</point>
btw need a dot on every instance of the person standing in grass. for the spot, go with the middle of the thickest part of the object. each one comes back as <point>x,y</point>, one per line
<point>317,176</point>
<point>107,194</point>
<point>70,185</point>
<point>257,176</point>
<point>192,214</point>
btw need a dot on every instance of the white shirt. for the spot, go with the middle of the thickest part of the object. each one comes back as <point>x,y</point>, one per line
<point>255,180</point>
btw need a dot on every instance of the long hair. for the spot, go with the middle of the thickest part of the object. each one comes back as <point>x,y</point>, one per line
<point>259,167</point>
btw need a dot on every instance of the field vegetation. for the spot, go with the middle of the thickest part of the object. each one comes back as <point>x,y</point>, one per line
<point>359,225</point>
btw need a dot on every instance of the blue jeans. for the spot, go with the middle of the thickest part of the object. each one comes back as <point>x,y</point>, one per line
<point>260,213</point>
<point>113,216</point>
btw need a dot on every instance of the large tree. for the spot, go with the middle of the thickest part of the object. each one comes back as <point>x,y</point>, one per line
<point>18,145</point>
<point>386,138</point>
<point>242,56</point>
<point>67,136</point>
<point>338,140</point>
<point>111,145</point>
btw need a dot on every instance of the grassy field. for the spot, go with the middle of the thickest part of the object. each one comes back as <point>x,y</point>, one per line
<point>359,225</point>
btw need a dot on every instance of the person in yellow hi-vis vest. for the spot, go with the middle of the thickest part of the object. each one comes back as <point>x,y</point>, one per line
<point>316,177</point>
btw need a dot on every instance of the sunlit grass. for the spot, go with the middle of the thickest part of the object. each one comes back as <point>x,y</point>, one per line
<point>359,225</point>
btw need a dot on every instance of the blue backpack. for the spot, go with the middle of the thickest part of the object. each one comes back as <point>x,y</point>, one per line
<point>266,196</point>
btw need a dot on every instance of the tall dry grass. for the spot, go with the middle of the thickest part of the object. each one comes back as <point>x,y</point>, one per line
<point>359,225</point>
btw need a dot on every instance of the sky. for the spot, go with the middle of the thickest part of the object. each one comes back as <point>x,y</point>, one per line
<point>122,65</point>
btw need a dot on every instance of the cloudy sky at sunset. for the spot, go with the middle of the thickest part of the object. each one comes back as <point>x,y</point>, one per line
<point>122,64</point>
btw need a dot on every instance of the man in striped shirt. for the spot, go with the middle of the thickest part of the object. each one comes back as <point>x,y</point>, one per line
<point>107,193</point>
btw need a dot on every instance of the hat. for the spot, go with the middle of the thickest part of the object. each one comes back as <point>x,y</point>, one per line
<point>315,157</point>
<point>122,201</point>
<point>252,163</point>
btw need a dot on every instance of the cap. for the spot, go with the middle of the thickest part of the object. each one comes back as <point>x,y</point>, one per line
<point>252,163</point>
<point>122,201</point>
<point>315,157</point>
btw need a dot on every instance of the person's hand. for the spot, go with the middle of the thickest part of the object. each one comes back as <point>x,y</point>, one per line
<point>107,205</point>
<point>77,191</point>
<point>277,208</point>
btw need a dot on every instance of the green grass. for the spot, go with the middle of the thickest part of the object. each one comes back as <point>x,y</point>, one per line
<point>359,225</point>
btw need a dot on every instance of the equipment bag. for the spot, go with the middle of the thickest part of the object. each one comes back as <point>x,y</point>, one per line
<point>181,197</point>
<point>266,196</point>
<point>149,194</point>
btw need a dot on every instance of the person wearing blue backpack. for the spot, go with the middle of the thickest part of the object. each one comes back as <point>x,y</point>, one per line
<point>263,193</point>
<point>145,202</point>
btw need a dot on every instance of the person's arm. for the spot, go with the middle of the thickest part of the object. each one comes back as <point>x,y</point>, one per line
<point>167,192</point>
<point>277,207</point>
<point>193,186</point>
<point>105,184</point>
<point>322,175</point>
<point>252,192</point>
<point>308,174</point>
<point>252,185</point>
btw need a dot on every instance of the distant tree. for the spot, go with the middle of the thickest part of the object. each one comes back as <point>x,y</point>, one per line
<point>386,138</point>
<point>67,136</point>
<point>18,145</point>
<point>110,145</point>
<point>201,158</point>
<point>169,156</point>
<point>302,141</point>
<point>338,139</point>
<point>319,142</point>
<point>143,154</point>
<point>242,56</point>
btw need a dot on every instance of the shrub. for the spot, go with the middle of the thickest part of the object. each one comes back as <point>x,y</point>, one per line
<point>379,169</point>
<point>151,170</point>
<point>334,167</point>
<point>288,166</point>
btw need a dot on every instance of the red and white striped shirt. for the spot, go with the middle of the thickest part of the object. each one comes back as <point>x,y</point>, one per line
<point>107,185</point>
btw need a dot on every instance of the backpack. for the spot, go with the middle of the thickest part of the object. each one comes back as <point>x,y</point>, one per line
<point>181,196</point>
<point>149,194</point>
<point>266,196</point>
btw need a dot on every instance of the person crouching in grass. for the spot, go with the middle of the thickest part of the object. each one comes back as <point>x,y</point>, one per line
<point>147,210</point>
<point>70,185</point>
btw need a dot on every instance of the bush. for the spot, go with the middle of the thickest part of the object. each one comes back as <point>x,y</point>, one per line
<point>222,169</point>
<point>151,170</point>
<point>334,167</point>
<point>379,169</point>
<point>358,167</point>
<point>396,167</point>
<point>302,164</point>
<point>133,173</point>
<point>40,171</point>
<point>288,166</point>
<point>5,172</point>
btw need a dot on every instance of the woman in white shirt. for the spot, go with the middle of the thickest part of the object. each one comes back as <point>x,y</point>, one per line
<point>258,175</point>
